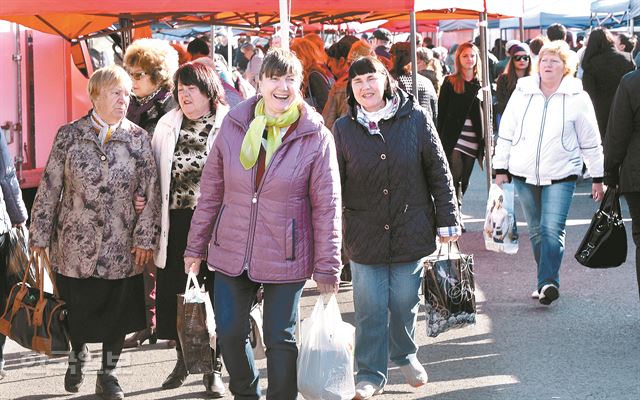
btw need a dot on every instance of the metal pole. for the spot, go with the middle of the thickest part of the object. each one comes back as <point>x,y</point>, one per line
<point>487,126</point>
<point>521,29</point>
<point>17,57</point>
<point>284,23</point>
<point>414,57</point>
<point>126,34</point>
<point>230,51</point>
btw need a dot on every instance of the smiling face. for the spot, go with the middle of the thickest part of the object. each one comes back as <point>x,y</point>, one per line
<point>551,68</point>
<point>279,92</point>
<point>142,83</point>
<point>111,103</point>
<point>193,103</point>
<point>368,90</point>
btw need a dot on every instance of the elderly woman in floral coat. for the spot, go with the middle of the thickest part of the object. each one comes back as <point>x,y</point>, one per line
<point>83,212</point>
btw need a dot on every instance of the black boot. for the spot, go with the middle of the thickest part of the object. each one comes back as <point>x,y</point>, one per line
<point>179,374</point>
<point>108,387</point>
<point>74,376</point>
<point>214,387</point>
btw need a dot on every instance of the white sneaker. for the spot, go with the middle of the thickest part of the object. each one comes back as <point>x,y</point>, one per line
<point>366,390</point>
<point>548,294</point>
<point>535,294</point>
<point>414,373</point>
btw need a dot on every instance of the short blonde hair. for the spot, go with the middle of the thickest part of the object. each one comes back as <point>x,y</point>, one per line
<point>561,49</point>
<point>156,57</point>
<point>108,77</point>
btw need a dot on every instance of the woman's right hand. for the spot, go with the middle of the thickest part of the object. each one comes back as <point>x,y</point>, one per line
<point>501,178</point>
<point>192,264</point>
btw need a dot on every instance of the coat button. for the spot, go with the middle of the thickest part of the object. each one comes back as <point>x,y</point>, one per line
<point>103,158</point>
<point>103,189</point>
<point>100,224</point>
<point>386,227</point>
<point>383,156</point>
<point>385,191</point>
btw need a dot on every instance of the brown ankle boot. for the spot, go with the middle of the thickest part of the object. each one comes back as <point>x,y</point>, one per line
<point>179,374</point>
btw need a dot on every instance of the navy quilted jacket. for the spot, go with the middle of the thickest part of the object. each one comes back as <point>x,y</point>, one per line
<point>396,188</point>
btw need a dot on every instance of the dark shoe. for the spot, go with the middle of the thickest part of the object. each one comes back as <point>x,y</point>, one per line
<point>107,386</point>
<point>548,294</point>
<point>214,387</point>
<point>179,374</point>
<point>74,377</point>
<point>138,338</point>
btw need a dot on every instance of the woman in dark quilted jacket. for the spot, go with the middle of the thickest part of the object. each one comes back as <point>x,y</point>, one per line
<point>398,194</point>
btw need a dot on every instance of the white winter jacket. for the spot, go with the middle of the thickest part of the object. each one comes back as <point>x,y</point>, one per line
<point>163,144</point>
<point>547,139</point>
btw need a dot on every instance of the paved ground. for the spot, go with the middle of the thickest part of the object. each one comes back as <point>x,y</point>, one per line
<point>584,347</point>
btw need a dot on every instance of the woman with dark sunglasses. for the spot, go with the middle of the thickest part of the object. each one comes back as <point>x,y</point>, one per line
<point>519,66</point>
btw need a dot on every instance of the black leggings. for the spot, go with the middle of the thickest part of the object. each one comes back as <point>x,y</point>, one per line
<point>461,166</point>
<point>633,200</point>
<point>110,353</point>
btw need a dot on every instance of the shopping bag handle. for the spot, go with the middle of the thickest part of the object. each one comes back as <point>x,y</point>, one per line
<point>191,278</point>
<point>451,245</point>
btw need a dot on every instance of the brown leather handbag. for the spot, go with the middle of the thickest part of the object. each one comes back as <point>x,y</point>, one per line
<point>34,318</point>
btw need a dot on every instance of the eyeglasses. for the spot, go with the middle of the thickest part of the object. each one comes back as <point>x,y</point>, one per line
<point>137,75</point>
<point>521,58</point>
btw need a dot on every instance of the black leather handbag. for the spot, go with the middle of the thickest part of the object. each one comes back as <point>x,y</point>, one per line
<point>605,243</point>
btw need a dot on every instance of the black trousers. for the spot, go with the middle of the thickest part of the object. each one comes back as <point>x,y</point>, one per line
<point>461,166</point>
<point>633,200</point>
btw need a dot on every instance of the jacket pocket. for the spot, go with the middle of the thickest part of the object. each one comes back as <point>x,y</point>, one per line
<point>215,229</point>
<point>290,240</point>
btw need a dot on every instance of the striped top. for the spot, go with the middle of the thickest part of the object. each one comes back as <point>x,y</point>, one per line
<point>468,141</point>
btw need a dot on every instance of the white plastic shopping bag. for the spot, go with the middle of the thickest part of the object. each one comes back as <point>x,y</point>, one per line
<point>500,230</point>
<point>325,360</point>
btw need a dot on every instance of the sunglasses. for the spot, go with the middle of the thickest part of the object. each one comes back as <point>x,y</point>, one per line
<point>137,75</point>
<point>521,58</point>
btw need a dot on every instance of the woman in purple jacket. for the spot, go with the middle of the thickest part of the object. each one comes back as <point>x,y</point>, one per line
<point>268,214</point>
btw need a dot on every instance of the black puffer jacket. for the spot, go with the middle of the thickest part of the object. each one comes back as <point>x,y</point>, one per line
<point>453,109</point>
<point>396,188</point>
<point>622,141</point>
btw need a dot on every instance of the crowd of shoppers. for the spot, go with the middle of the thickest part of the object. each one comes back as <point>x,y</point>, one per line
<point>175,170</point>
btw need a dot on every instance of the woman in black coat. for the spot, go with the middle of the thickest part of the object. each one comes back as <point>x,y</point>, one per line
<point>397,195</point>
<point>603,67</point>
<point>622,151</point>
<point>459,121</point>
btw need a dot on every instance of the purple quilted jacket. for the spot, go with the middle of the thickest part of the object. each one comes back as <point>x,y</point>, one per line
<point>286,230</point>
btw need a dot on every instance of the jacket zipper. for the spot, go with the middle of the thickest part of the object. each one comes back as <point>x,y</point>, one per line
<point>254,209</point>
<point>544,117</point>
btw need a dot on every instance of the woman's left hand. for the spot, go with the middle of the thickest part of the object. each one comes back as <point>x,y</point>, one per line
<point>597,191</point>
<point>327,288</point>
<point>447,239</point>
<point>141,256</point>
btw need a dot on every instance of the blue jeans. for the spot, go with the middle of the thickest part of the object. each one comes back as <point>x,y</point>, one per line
<point>233,298</point>
<point>386,301</point>
<point>545,209</point>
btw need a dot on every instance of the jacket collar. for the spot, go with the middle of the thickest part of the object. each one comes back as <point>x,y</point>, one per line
<point>88,132</point>
<point>309,122</point>
<point>531,85</point>
<point>405,107</point>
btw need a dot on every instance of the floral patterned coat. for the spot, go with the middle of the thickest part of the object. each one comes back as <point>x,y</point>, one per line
<point>83,210</point>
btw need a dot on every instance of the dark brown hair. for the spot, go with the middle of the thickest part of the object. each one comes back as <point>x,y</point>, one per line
<point>369,65</point>
<point>204,78</point>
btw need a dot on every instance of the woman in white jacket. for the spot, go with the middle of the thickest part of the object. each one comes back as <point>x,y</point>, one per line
<point>547,131</point>
<point>181,143</point>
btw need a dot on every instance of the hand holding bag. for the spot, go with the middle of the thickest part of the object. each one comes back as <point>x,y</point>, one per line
<point>192,328</point>
<point>605,243</point>
<point>449,290</point>
<point>33,318</point>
